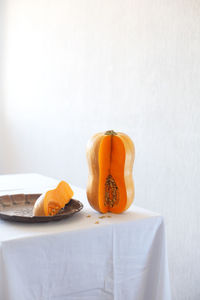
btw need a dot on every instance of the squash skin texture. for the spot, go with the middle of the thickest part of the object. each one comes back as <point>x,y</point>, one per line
<point>112,154</point>
<point>93,178</point>
<point>52,201</point>
<point>130,157</point>
<point>38,209</point>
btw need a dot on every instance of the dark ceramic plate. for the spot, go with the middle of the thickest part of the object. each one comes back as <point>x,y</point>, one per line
<point>19,208</point>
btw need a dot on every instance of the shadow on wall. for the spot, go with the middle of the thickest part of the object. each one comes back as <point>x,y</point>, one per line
<point>7,152</point>
<point>7,149</point>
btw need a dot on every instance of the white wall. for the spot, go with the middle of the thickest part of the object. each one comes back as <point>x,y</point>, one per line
<point>3,145</point>
<point>73,68</point>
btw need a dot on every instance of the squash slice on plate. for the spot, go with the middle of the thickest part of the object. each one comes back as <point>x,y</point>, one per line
<point>51,202</point>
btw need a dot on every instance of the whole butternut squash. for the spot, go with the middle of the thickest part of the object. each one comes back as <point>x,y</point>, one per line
<point>110,157</point>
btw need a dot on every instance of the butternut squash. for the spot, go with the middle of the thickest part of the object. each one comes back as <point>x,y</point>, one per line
<point>49,203</point>
<point>110,157</point>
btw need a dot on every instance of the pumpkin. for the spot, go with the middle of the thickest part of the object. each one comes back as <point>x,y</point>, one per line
<point>49,203</point>
<point>110,157</point>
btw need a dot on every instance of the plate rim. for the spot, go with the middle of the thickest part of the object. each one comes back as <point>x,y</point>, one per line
<point>38,219</point>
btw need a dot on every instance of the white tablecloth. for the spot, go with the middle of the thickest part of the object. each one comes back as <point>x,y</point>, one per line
<point>122,257</point>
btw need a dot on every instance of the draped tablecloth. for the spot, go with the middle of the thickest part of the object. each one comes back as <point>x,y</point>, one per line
<point>121,257</point>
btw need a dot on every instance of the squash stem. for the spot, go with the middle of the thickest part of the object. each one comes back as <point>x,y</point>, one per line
<point>110,132</point>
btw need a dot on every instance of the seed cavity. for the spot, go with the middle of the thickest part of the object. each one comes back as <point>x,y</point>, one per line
<point>111,192</point>
<point>53,209</point>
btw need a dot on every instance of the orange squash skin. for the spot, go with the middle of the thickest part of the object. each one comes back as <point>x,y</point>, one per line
<point>112,154</point>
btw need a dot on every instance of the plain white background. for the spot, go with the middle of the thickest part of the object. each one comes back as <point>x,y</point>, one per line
<point>70,69</point>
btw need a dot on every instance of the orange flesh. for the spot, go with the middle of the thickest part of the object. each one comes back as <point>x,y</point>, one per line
<point>112,162</point>
<point>56,199</point>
